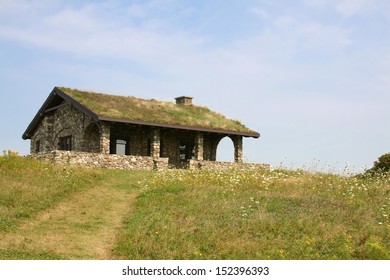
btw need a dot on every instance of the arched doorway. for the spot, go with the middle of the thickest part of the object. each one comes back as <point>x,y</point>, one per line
<point>225,150</point>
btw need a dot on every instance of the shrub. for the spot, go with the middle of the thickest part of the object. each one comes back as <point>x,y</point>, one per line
<point>10,153</point>
<point>382,165</point>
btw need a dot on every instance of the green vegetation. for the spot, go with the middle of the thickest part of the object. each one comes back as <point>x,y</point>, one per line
<point>55,212</point>
<point>133,108</point>
<point>58,212</point>
<point>28,187</point>
<point>382,165</point>
<point>259,215</point>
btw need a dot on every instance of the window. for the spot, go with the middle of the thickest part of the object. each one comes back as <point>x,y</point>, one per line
<point>187,151</point>
<point>121,147</point>
<point>66,143</point>
<point>182,151</point>
<point>37,146</point>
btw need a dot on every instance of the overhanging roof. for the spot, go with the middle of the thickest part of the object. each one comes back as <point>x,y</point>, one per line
<point>59,95</point>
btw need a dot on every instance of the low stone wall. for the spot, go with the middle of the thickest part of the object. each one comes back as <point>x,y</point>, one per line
<point>223,166</point>
<point>136,162</point>
<point>104,160</point>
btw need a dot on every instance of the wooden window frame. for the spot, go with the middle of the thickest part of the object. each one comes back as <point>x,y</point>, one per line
<point>65,143</point>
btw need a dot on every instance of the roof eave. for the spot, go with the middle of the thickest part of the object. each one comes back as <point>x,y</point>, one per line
<point>180,127</point>
<point>38,117</point>
<point>76,104</point>
<point>41,113</point>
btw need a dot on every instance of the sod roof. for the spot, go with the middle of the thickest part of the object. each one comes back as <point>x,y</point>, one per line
<point>129,109</point>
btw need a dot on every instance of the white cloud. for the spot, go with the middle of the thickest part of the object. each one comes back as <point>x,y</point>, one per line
<point>352,7</point>
<point>291,74</point>
<point>83,31</point>
<point>261,12</point>
<point>310,35</point>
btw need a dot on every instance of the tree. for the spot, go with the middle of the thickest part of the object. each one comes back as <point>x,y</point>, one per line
<point>381,165</point>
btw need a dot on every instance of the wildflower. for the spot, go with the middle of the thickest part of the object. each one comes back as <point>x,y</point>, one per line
<point>198,254</point>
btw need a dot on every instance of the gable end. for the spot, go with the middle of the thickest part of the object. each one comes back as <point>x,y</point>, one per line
<point>56,100</point>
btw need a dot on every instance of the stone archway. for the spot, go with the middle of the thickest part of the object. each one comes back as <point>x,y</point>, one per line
<point>238,147</point>
<point>225,150</point>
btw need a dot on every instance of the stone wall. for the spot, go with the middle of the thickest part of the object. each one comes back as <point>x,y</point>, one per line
<point>104,160</point>
<point>97,160</point>
<point>223,166</point>
<point>65,121</point>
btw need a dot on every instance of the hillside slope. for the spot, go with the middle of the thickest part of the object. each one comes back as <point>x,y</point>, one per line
<point>55,212</point>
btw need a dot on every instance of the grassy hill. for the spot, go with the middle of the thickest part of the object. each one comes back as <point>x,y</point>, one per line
<point>56,212</point>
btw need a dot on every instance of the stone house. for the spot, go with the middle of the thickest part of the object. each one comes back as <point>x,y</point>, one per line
<point>126,132</point>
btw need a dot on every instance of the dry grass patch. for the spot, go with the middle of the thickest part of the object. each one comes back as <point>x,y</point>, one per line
<point>28,187</point>
<point>82,227</point>
<point>54,212</point>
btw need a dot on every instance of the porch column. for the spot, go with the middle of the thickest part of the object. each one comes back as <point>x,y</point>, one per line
<point>199,140</point>
<point>155,143</point>
<point>104,138</point>
<point>238,154</point>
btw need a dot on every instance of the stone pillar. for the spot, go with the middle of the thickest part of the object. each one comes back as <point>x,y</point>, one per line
<point>238,154</point>
<point>155,143</point>
<point>214,146</point>
<point>104,138</point>
<point>199,140</point>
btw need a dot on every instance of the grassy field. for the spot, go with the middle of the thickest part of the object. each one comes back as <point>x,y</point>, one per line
<point>59,212</point>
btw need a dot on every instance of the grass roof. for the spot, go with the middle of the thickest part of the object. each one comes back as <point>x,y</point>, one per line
<point>137,109</point>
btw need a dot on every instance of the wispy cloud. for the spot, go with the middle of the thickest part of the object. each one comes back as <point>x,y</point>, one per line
<point>350,8</point>
<point>288,65</point>
<point>84,31</point>
<point>355,7</point>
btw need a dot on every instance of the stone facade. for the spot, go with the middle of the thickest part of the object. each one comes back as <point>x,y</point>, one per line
<point>110,161</point>
<point>66,121</point>
<point>184,100</point>
<point>225,166</point>
<point>103,160</point>
<point>66,135</point>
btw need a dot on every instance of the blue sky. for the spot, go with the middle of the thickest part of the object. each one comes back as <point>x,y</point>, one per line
<point>312,76</point>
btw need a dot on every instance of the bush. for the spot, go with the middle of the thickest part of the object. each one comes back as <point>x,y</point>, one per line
<point>10,153</point>
<point>382,165</point>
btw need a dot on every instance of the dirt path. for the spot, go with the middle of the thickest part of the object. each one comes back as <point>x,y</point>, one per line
<point>82,227</point>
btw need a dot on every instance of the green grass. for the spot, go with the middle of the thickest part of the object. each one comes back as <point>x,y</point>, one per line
<point>11,254</point>
<point>133,108</point>
<point>100,214</point>
<point>258,215</point>
<point>28,187</point>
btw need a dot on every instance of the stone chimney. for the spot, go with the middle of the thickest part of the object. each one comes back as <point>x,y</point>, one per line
<point>184,100</point>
